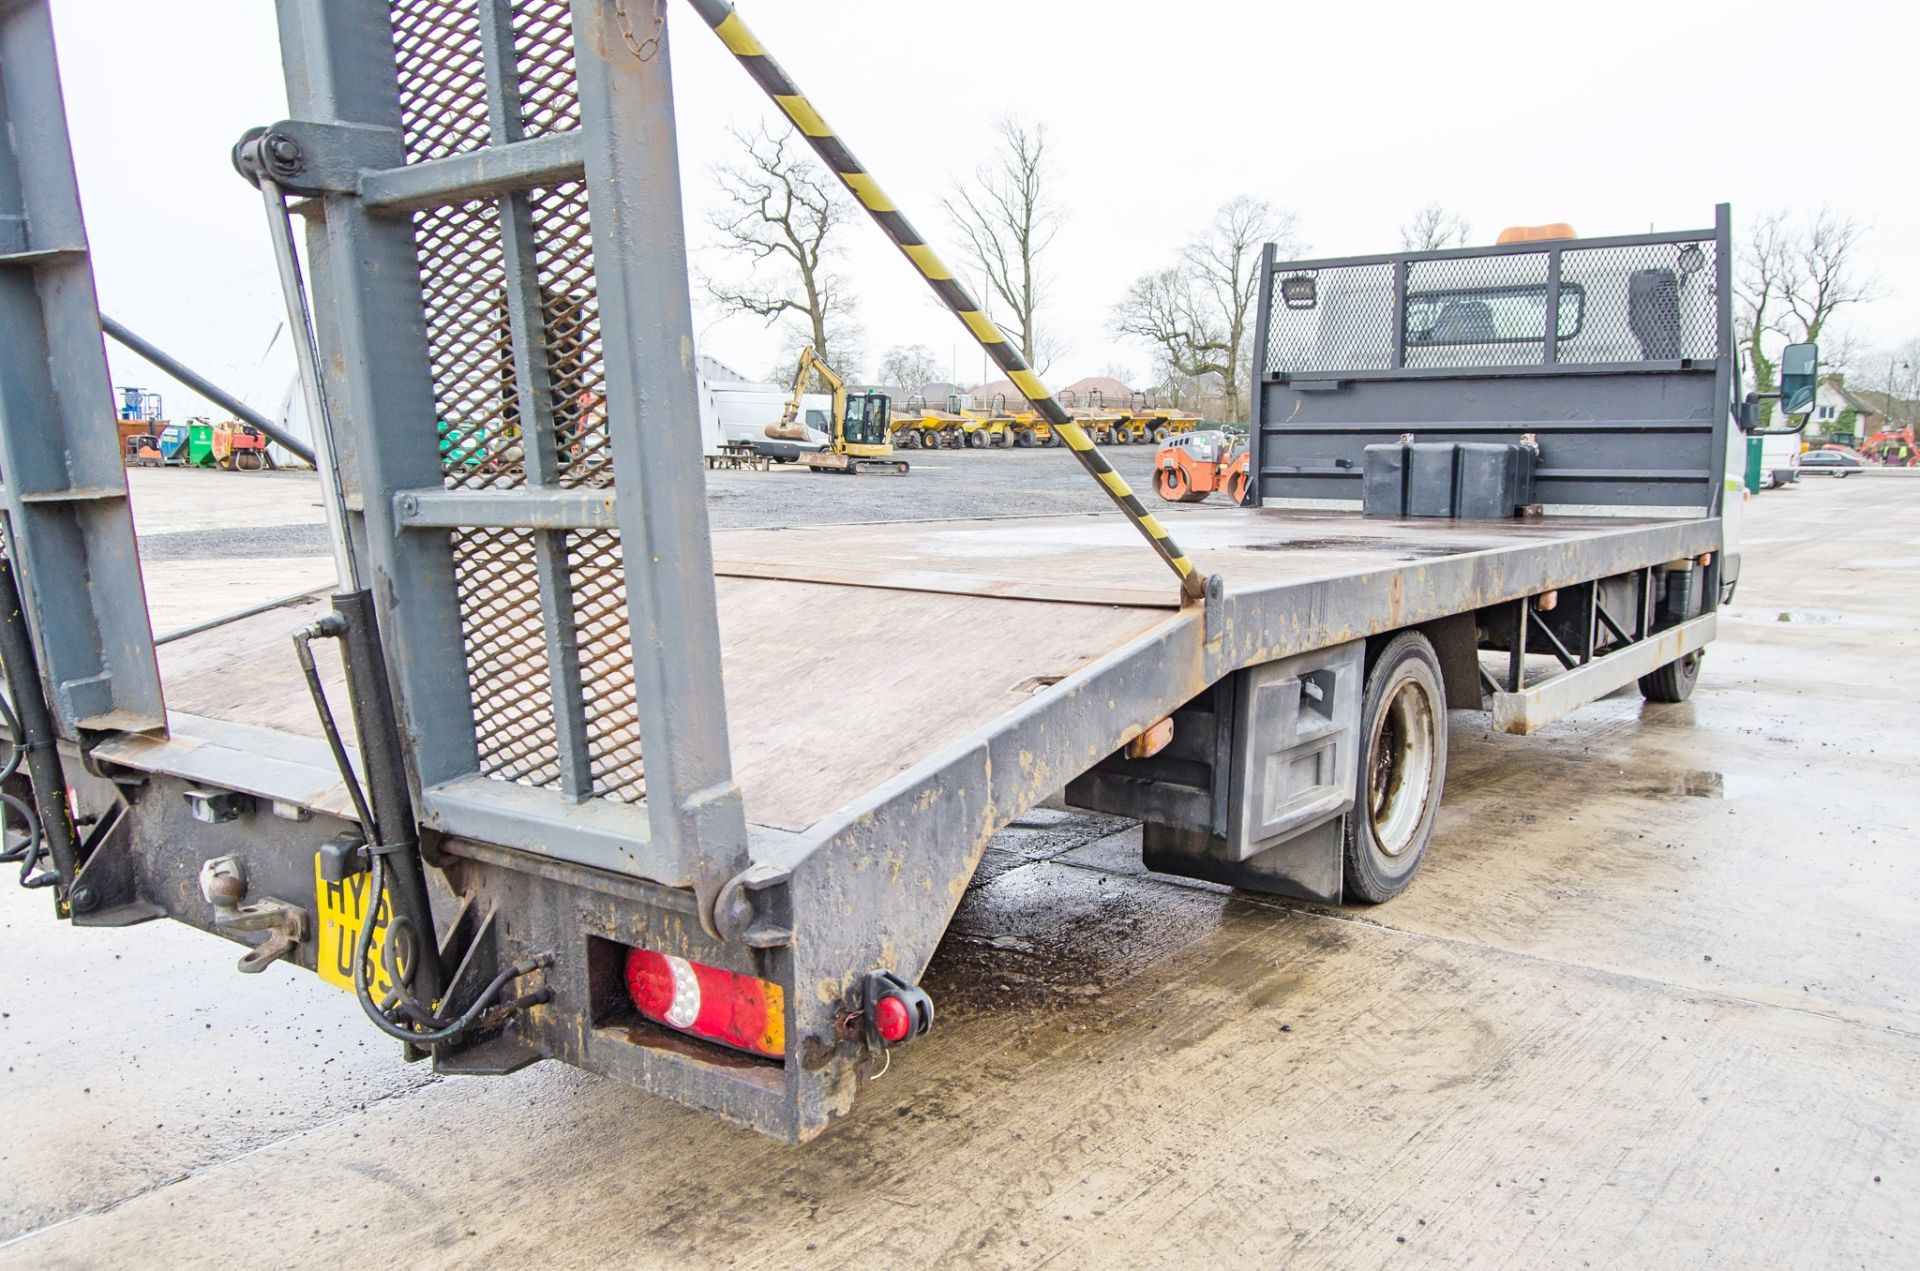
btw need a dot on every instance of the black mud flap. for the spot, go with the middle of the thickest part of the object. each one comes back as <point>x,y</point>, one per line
<point>1253,787</point>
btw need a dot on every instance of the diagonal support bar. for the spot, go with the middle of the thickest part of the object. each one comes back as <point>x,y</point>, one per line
<point>833,152</point>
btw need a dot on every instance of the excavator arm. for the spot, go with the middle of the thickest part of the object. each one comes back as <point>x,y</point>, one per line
<point>790,428</point>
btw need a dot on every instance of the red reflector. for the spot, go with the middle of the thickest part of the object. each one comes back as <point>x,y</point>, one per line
<point>892,1020</point>
<point>722,1006</point>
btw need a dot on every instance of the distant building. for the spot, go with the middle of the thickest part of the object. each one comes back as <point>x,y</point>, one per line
<point>1096,390</point>
<point>999,395</point>
<point>1093,390</point>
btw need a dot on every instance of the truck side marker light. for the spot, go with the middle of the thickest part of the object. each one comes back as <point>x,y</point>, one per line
<point>897,1012</point>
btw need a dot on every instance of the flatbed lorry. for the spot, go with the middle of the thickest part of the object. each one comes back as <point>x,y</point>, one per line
<point>496,785</point>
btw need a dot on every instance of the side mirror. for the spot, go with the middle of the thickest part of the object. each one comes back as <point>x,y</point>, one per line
<point>1799,378</point>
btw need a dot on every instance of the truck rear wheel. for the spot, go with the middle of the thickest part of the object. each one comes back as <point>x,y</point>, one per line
<point>1673,682</point>
<point>1403,769</point>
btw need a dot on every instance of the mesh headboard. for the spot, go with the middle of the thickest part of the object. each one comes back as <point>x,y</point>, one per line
<point>1626,386</point>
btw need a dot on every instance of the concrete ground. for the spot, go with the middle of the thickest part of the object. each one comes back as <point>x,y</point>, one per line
<point>1653,1001</point>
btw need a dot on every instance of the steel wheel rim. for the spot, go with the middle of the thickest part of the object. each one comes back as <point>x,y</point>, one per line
<point>1400,767</point>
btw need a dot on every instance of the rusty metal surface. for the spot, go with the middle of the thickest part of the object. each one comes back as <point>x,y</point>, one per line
<point>1540,704</point>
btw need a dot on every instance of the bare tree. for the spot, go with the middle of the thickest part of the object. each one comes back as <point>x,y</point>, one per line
<point>1791,279</point>
<point>1432,228</point>
<point>1198,315</point>
<point>1007,217</point>
<point>1758,280</point>
<point>1820,273</point>
<point>909,366</point>
<point>1894,377</point>
<point>781,213</point>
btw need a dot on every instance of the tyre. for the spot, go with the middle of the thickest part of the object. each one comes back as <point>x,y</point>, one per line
<point>1159,435</point>
<point>1003,439</point>
<point>1170,484</point>
<point>1053,441</point>
<point>1023,437</point>
<point>976,440</point>
<point>1673,682</point>
<point>1403,769</point>
<point>929,439</point>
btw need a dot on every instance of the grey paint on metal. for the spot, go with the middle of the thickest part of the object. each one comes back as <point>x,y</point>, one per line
<point>1539,704</point>
<point>205,387</point>
<point>338,56</point>
<point>1727,373</point>
<point>69,526</point>
<point>900,859</point>
<point>874,885</point>
<point>534,401</point>
<point>1268,252</point>
<point>598,832</point>
<point>646,323</point>
<point>1644,434</point>
<point>574,508</point>
<point>1675,237</point>
<point>520,164</point>
<point>1626,440</point>
<point>306,352</point>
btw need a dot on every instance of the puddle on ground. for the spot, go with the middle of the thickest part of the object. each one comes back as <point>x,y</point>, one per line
<point>1702,784</point>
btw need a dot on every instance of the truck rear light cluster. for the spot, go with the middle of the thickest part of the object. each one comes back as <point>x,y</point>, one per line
<point>721,1006</point>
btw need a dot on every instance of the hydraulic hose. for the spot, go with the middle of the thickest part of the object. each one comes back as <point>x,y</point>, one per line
<point>437,1028</point>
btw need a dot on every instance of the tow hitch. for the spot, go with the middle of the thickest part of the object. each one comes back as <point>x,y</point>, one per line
<point>223,882</point>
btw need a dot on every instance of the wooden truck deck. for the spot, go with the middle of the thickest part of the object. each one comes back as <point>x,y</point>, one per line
<point>853,653</point>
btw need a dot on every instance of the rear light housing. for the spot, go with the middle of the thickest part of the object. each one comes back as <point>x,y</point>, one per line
<point>727,1007</point>
<point>896,1012</point>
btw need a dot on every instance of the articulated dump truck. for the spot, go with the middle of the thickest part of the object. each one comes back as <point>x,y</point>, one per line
<point>497,787</point>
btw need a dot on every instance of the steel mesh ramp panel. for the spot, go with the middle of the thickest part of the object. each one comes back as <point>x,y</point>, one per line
<point>473,256</point>
<point>523,217</point>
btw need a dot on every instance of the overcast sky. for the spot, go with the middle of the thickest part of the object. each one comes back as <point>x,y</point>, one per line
<point>1613,117</point>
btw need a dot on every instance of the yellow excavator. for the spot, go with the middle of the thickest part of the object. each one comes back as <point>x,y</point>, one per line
<point>860,422</point>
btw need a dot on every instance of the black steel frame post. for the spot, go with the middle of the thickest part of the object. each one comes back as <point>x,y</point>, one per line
<point>44,768</point>
<point>1258,375</point>
<point>395,830</point>
<point>1517,647</point>
<point>1550,319</point>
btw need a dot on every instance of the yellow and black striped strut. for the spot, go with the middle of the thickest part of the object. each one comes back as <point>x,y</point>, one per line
<point>720,15</point>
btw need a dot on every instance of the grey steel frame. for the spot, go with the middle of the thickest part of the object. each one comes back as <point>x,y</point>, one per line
<point>69,528</point>
<point>368,300</point>
<point>872,887</point>
<point>1539,397</point>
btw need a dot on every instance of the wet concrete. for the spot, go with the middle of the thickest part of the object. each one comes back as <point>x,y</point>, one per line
<point>1652,1001</point>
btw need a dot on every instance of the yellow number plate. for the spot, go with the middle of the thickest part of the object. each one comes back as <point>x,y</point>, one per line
<point>343,912</point>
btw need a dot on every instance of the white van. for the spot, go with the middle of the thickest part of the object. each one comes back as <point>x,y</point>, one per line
<point>741,412</point>
<point>1779,460</point>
